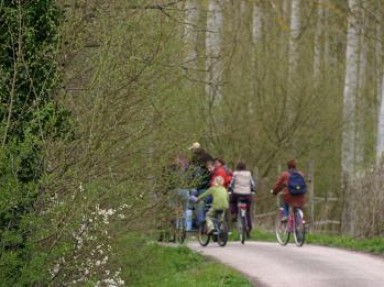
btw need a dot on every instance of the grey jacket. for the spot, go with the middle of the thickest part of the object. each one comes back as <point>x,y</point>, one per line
<point>242,182</point>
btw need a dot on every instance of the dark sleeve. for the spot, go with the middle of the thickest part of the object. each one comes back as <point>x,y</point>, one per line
<point>253,185</point>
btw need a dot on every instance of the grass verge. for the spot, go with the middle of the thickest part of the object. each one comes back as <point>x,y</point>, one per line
<point>371,245</point>
<point>150,264</point>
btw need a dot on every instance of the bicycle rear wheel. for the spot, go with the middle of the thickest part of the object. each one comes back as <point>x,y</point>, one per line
<point>242,223</point>
<point>299,232</point>
<point>222,236</point>
<point>281,230</point>
<point>180,232</point>
<point>202,235</point>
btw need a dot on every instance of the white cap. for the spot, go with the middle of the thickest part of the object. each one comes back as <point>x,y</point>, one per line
<point>195,145</point>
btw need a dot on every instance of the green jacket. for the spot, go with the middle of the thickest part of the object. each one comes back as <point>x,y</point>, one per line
<point>220,197</point>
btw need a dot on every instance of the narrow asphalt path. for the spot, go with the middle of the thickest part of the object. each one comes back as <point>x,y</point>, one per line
<point>269,264</point>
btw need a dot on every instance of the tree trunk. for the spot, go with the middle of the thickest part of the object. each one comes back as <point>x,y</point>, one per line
<point>293,39</point>
<point>380,93</point>
<point>191,34</point>
<point>213,52</point>
<point>380,126</point>
<point>257,34</point>
<point>257,23</point>
<point>318,42</point>
<point>292,77</point>
<point>362,81</point>
<point>349,112</point>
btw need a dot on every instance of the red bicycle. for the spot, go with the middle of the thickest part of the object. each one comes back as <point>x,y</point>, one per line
<point>242,220</point>
<point>295,224</point>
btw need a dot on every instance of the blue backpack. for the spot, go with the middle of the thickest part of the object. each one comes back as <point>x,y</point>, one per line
<point>296,183</point>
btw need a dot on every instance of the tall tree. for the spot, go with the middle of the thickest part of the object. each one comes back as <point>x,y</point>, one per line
<point>380,85</point>
<point>349,112</point>
<point>295,26</point>
<point>257,23</point>
<point>191,34</point>
<point>213,47</point>
<point>380,125</point>
<point>362,82</point>
<point>318,41</point>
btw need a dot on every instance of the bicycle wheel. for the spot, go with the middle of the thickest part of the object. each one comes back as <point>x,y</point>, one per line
<point>299,232</point>
<point>202,235</point>
<point>222,236</point>
<point>242,223</point>
<point>180,232</point>
<point>281,229</point>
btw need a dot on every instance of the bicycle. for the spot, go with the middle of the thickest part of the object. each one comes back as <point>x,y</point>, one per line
<point>220,231</point>
<point>295,224</point>
<point>179,225</point>
<point>242,220</point>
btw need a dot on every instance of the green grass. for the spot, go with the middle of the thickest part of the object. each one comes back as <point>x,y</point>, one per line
<point>150,264</point>
<point>371,245</point>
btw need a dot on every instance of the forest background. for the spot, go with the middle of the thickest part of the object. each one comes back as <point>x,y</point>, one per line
<point>97,97</point>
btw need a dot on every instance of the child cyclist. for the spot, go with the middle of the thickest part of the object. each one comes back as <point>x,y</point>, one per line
<point>220,200</point>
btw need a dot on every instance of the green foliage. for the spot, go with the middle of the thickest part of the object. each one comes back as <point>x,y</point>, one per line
<point>29,117</point>
<point>260,235</point>
<point>28,61</point>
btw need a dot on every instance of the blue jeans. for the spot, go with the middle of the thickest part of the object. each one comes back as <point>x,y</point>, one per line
<point>200,207</point>
<point>183,195</point>
<point>285,207</point>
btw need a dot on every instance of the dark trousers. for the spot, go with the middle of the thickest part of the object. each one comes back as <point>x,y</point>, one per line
<point>234,208</point>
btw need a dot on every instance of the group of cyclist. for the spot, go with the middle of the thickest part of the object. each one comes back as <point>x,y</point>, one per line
<point>221,188</point>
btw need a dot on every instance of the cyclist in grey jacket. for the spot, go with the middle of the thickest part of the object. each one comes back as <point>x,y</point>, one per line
<point>242,186</point>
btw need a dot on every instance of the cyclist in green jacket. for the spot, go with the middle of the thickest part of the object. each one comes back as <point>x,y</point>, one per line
<point>220,200</point>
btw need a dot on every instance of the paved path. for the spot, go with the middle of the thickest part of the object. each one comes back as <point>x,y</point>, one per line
<point>269,264</point>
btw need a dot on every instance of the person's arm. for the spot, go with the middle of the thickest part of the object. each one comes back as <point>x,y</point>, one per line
<point>253,185</point>
<point>205,194</point>
<point>279,184</point>
<point>231,186</point>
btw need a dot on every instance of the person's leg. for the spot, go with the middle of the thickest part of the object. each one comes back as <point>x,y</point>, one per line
<point>200,210</point>
<point>183,195</point>
<point>285,210</point>
<point>209,217</point>
<point>221,217</point>
<point>249,214</point>
<point>233,206</point>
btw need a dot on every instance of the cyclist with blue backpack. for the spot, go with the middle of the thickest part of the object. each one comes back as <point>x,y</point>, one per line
<point>291,183</point>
